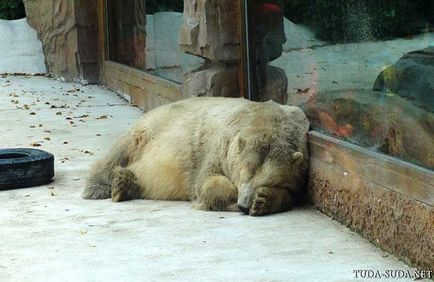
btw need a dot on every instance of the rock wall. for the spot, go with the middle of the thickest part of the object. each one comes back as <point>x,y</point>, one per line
<point>68,31</point>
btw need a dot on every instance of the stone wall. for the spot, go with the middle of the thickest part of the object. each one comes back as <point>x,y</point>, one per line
<point>69,34</point>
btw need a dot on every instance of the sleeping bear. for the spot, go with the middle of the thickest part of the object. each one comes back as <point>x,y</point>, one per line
<point>224,154</point>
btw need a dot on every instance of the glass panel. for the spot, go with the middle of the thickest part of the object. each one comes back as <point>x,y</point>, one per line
<point>362,70</point>
<point>164,58</point>
<point>126,32</point>
<point>144,34</point>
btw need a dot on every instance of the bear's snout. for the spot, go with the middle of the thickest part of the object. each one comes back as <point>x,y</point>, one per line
<point>243,209</point>
<point>245,197</point>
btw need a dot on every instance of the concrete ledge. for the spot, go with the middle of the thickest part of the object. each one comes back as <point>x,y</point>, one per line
<point>147,91</point>
<point>388,201</point>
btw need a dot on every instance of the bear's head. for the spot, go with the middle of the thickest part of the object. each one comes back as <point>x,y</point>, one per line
<point>272,153</point>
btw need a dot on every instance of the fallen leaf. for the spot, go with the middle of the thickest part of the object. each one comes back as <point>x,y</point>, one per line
<point>306,90</point>
<point>47,138</point>
<point>73,90</point>
<point>102,117</point>
<point>59,107</point>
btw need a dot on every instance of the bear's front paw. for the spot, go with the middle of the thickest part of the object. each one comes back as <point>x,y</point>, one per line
<point>261,202</point>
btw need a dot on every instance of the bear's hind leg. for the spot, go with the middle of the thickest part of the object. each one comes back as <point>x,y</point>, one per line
<point>218,194</point>
<point>124,185</point>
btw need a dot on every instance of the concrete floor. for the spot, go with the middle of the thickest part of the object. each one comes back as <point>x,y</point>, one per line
<point>49,233</point>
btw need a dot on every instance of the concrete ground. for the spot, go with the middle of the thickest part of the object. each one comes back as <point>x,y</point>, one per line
<point>49,233</point>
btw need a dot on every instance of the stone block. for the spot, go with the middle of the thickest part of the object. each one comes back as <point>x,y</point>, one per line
<point>216,81</point>
<point>211,29</point>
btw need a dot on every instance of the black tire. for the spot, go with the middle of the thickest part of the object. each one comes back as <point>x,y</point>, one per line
<point>20,168</point>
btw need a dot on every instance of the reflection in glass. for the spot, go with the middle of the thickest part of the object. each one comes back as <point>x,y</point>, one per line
<point>126,32</point>
<point>163,55</point>
<point>363,71</point>
<point>144,34</point>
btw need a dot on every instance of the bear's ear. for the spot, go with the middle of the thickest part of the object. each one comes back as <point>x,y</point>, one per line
<point>297,158</point>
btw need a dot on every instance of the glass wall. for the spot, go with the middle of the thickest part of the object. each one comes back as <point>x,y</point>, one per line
<point>362,70</point>
<point>144,34</point>
<point>126,32</point>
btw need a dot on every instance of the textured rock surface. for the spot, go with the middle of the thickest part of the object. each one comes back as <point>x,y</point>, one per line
<point>68,31</point>
<point>411,77</point>
<point>211,30</point>
<point>214,81</point>
<point>389,124</point>
<point>389,202</point>
<point>272,84</point>
<point>20,48</point>
<point>397,223</point>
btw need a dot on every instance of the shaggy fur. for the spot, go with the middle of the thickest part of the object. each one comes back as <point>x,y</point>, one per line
<point>222,153</point>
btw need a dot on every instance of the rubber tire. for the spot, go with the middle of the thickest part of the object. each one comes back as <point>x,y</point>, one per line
<point>20,168</point>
